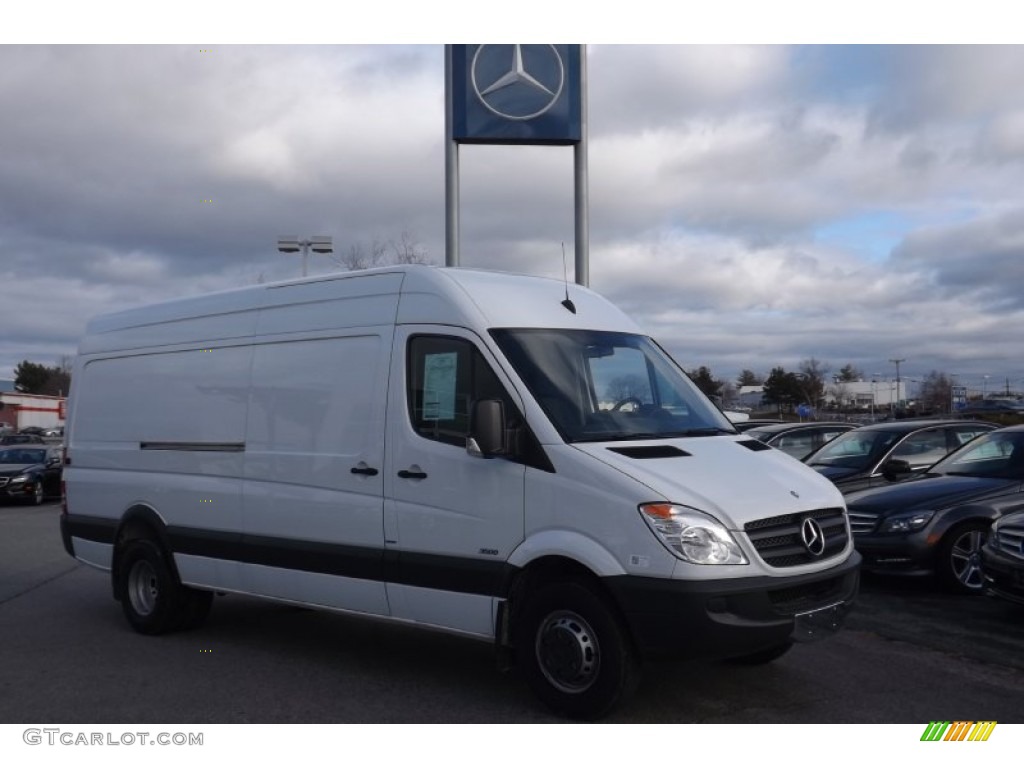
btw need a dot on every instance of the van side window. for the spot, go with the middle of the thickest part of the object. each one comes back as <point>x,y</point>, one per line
<point>445,376</point>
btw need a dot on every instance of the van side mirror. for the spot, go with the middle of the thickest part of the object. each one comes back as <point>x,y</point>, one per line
<point>896,469</point>
<point>486,429</point>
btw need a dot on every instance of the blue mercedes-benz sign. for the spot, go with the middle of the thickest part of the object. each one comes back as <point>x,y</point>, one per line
<point>516,94</point>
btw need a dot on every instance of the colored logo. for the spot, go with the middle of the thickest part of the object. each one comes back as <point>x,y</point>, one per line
<point>958,731</point>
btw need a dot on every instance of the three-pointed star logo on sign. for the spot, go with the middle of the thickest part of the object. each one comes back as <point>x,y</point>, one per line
<point>518,82</point>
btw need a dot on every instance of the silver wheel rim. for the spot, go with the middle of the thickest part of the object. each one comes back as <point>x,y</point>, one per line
<point>142,588</point>
<point>39,493</point>
<point>567,652</point>
<point>965,559</point>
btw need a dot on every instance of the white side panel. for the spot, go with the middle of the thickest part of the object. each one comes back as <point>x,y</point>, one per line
<point>93,553</point>
<point>315,588</point>
<point>199,571</point>
<point>316,412</point>
<point>186,396</point>
<point>451,610</point>
<point>190,500</point>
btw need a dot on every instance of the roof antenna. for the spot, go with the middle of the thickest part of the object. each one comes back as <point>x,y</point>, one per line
<point>565,276</point>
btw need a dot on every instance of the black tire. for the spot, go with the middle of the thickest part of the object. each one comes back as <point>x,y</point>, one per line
<point>196,608</point>
<point>766,656</point>
<point>574,652</point>
<point>958,563</point>
<point>153,600</point>
<point>38,493</point>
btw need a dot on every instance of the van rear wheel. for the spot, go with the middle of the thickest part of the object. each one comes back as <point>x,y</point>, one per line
<point>153,600</point>
<point>574,652</point>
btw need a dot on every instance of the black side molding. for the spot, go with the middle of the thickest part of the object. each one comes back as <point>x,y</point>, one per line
<point>216,447</point>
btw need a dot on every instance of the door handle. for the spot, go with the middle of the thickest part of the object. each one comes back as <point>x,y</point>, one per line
<point>411,475</point>
<point>364,470</point>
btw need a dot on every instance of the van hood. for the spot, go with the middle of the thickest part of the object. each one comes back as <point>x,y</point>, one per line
<point>736,479</point>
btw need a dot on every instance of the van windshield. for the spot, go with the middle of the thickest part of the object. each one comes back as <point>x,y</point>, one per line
<point>604,385</point>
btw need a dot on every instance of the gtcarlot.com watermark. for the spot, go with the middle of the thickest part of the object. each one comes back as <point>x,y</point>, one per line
<point>57,737</point>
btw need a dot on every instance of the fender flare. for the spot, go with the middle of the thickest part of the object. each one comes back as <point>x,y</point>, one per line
<point>150,518</point>
<point>571,545</point>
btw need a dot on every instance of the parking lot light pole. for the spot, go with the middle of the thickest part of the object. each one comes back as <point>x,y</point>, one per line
<point>292,244</point>
<point>897,361</point>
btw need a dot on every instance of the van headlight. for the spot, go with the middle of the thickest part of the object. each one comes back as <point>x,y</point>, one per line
<point>692,535</point>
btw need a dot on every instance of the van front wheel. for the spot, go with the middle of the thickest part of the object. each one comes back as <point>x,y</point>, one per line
<point>575,655</point>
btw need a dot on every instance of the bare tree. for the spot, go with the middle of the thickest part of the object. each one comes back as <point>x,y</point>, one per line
<point>628,386</point>
<point>361,256</point>
<point>406,250</point>
<point>403,250</point>
<point>935,392</point>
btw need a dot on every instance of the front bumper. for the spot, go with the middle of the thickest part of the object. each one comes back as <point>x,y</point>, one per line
<point>1004,575</point>
<point>911,554</point>
<point>734,617</point>
<point>18,491</point>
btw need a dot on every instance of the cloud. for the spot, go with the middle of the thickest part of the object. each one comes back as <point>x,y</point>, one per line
<point>982,258</point>
<point>751,205</point>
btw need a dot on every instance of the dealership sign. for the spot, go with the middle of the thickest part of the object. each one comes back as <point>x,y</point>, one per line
<point>516,94</point>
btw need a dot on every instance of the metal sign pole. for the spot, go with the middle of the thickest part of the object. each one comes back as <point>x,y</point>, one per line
<point>451,170</point>
<point>582,200</point>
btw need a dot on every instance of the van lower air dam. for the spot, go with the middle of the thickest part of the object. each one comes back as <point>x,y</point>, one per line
<point>449,448</point>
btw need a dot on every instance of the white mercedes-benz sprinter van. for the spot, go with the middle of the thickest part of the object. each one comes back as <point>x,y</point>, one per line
<point>495,455</point>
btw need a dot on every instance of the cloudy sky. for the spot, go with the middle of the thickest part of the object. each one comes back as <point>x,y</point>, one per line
<point>752,206</point>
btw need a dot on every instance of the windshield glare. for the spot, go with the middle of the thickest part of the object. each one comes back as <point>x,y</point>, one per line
<point>603,385</point>
<point>854,449</point>
<point>996,454</point>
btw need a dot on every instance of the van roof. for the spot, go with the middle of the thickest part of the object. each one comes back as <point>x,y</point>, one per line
<point>438,295</point>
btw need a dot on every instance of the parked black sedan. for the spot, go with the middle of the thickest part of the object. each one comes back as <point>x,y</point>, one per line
<point>799,439</point>
<point>30,473</point>
<point>1002,559</point>
<point>938,523</point>
<point>21,439</point>
<point>880,454</point>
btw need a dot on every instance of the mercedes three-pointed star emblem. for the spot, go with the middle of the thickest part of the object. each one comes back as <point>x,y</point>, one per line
<point>812,536</point>
<point>522,92</point>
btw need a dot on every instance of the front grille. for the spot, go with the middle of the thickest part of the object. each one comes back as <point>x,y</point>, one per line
<point>4,481</point>
<point>863,522</point>
<point>1011,540</point>
<point>778,542</point>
